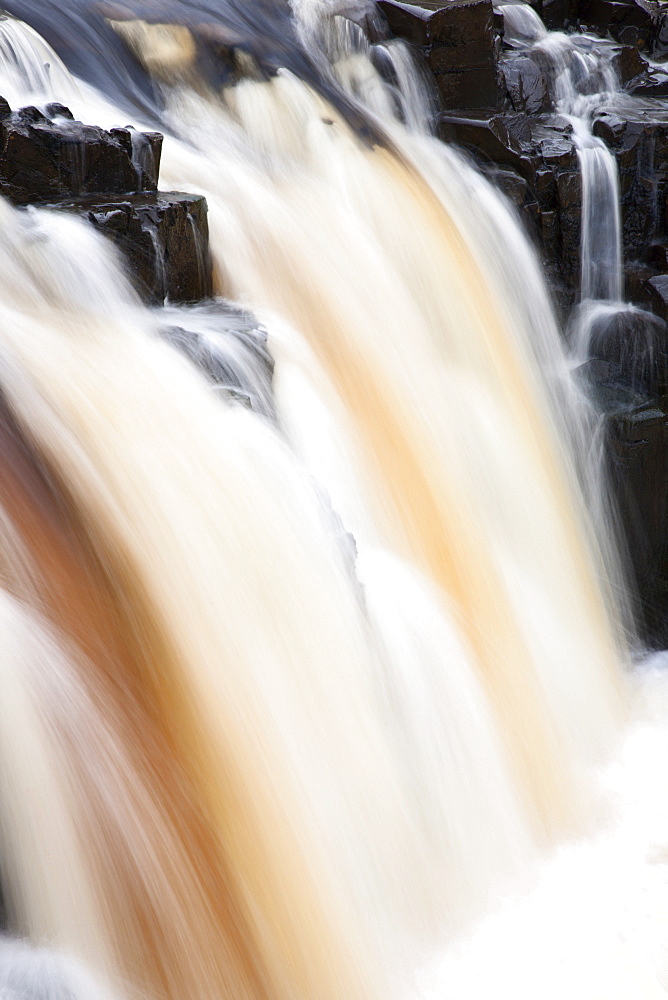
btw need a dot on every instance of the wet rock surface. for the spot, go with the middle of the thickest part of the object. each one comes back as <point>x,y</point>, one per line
<point>459,44</point>
<point>635,430</point>
<point>45,157</point>
<point>111,179</point>
<point>163,238</point>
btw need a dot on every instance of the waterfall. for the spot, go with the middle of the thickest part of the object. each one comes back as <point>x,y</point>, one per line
<point>306,685</point>
<point>583,81</point>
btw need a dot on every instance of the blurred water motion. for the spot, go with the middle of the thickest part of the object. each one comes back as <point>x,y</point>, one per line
<point>289,693</point>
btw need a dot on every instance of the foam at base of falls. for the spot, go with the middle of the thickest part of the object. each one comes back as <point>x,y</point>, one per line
<point>595,925</point>
<point>28,973</point>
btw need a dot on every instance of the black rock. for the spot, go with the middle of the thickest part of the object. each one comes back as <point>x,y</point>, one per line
<point>370,19</point>
<point>459,45</point>
<point>633,22</point>
<point>44,160</point>
<point>526,86</point>
<point>629,64</point>
<point>637,448</point>
<point>163,238</point>
<point>55,110</point>
<point>657,292</point>
<point>634,341</point>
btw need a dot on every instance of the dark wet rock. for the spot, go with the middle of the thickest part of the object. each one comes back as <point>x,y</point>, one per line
<point>636,343</point>
<point>467,89</point>
<point>525,84</point>
<point>637,448</point>
<point>638,74</point>
<point>569,201</point>
<point>610,127</point>
<point>459,44</point>
<point>56,110</point>
<point>636,275</point>
<point>556,14</point>
<point>43,159</point>
<point>47,158</point>
<point>540,150</point>
<point>635,434</point>
<point>660,46</point>
<point>532,145</point>
<point>420,23</point>
<point>638,137</point>
<point>657,292</point>
<point>31,116</point>
<point>629,64</point>
<point>162,236</point>
<point>633,22</point>
<point>652,83</point>
<point>657,258</point>
<point>513,185</point>
<point>491,136</point>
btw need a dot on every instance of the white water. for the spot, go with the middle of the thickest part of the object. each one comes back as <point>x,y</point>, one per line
<point>300,211</point>
<point>595,926</point>
<point>30,974</point>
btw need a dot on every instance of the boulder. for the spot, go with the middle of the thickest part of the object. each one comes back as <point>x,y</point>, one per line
<point>657,293</point>
<point>633,22</point>
<point>633,341</point>
<point>110,178</point>
<point>45,158</point>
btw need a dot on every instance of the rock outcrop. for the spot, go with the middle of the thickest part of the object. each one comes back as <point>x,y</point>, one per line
<point>111,178</point>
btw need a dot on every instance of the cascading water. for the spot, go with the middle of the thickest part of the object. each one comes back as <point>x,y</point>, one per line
<point>275,774</point>
<point>583,82</point>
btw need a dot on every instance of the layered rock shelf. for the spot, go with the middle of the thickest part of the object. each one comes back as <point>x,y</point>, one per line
<point>163,238</point>
<point>111,178</point>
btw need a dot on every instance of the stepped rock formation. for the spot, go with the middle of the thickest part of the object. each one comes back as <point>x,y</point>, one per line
<point>110,177</point>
